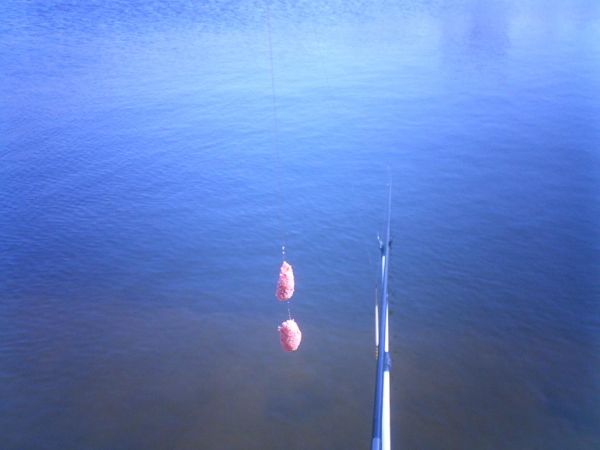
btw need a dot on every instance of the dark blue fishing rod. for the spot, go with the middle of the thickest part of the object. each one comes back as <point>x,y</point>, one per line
<point>381,410</point>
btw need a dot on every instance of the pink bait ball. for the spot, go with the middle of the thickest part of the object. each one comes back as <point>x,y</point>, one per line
<point>290,335</point>
<point>285,284</point>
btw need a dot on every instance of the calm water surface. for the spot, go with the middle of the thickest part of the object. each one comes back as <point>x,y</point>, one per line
<point>143,204</point>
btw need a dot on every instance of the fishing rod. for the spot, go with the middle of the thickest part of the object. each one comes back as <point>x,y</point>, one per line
<point>381,411</point>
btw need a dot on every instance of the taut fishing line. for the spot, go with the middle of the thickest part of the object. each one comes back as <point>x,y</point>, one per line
<point>289,332</point>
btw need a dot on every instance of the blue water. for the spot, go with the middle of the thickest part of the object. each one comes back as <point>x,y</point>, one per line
<point>145,194</point>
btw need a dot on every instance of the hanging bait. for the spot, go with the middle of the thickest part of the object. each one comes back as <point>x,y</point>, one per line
<point>285,284</point>
<point>290,335</point>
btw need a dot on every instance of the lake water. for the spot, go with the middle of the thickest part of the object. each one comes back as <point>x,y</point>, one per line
<point>145,191</point>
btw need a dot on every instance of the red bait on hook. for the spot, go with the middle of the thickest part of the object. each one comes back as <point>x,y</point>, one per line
<point>285,284</point>
<point>290,335</point>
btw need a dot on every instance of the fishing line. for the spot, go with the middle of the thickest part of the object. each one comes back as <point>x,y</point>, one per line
<point>275,140</point>
<point>289,332</point>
